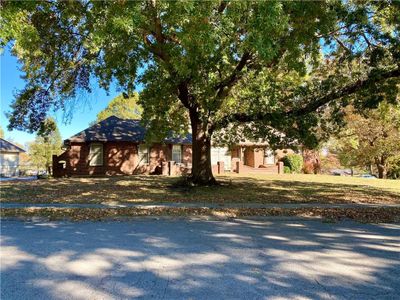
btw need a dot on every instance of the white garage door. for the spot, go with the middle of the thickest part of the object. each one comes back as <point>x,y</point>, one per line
<point>221,154</point>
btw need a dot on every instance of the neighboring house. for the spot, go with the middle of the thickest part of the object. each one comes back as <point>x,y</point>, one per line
<point>9,158</point>
<point>117,146</point>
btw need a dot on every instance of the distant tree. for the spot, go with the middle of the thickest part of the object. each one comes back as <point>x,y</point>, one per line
<point>329,161</point>
<point>394,167</point>
<point>122,106</point>
<point>372,139</point>
<point>1,132</point>
<point>47,142</point>
<point>343,148</point>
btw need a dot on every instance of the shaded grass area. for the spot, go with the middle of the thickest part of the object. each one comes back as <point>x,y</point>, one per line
<point>232,189</point>
<point>367,215</point>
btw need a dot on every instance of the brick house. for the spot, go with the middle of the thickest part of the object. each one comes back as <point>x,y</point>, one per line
<point>116,146</point>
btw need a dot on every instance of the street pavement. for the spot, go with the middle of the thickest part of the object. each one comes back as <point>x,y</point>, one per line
<point>188,258</point>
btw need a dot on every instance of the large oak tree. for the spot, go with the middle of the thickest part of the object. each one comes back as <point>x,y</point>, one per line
<point>262,69</point>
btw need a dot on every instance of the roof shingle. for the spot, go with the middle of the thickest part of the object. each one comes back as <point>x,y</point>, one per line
<point>114,129</point>
<point>6,146</point>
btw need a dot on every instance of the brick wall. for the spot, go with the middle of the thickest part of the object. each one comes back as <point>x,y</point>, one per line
<point>235,157</point>
<point>122,158</point>
<point>248,156</point>
<point>118,158</point>
<point>258,157</point>
<point>187,155</point>
<point>253,158</point>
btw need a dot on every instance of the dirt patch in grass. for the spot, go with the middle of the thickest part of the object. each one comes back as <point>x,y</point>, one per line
<point>368,215</point>
<point>232,189</point>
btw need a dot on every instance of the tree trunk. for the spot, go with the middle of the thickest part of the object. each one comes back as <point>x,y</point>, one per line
<point>48,169</point>
<point>201,153</point>
<point>381,165</point>
<point>381,171</point>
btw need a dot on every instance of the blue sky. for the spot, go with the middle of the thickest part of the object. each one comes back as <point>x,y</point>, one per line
<point>85,109</point>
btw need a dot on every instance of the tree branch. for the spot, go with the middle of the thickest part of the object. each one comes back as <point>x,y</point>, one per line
<point>183,94</point>
<point>222,6</point>
<point>342,45</point>
<point>312,106</point>
<point>367,40</point>
<point>348,90</point>
<point>224,86</point>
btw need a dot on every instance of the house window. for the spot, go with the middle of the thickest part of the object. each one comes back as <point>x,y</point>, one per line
<point>177,153</point>
<point>143,154</point>
<point>96,155</point>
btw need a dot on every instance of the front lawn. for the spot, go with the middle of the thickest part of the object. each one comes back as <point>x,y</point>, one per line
<point>233,189</point>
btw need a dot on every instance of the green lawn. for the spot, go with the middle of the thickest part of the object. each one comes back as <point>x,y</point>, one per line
<point>233,189</point>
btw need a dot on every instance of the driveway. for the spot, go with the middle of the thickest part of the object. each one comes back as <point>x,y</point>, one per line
<point>198,259</point>
<point>28,178</point>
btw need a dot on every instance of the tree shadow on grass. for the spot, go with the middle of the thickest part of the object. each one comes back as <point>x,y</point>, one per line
<point>147,189</point>
<point>247,189</point>
<point>177,259</point>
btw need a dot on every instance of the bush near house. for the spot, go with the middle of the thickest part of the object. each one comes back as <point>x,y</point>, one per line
<point>294,162</point>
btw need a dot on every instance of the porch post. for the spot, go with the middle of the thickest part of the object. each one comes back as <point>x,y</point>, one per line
<point>280,167</point>
<point>221,167</point>
<point>239,166</point>
<point>241,154</point>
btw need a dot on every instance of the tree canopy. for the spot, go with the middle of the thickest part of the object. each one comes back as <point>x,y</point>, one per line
<point>122,106</point>
<point>370,139</point>
<point>281,71</point>
<point>46,144</point>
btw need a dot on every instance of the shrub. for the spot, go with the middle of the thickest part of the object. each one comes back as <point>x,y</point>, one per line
<point>294,162</point>
<point>308,168</point>
<point>286,170</point>
<point>311,167</point>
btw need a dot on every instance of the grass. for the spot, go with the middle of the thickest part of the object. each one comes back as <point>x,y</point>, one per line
<point>233,189</point>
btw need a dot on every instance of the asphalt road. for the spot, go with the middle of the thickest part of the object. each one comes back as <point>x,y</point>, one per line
<point>199,259</point>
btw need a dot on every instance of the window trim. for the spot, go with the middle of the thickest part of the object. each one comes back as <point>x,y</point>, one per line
<point>91,162</point>
<point>180,153</point>
<point>140,154</point>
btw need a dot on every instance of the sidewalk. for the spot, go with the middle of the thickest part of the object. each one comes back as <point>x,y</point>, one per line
<point>367,213</point>
<point>194,205</point>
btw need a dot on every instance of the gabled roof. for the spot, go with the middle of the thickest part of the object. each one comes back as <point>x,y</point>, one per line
<point>9,147</point>
<point>114,129</point>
